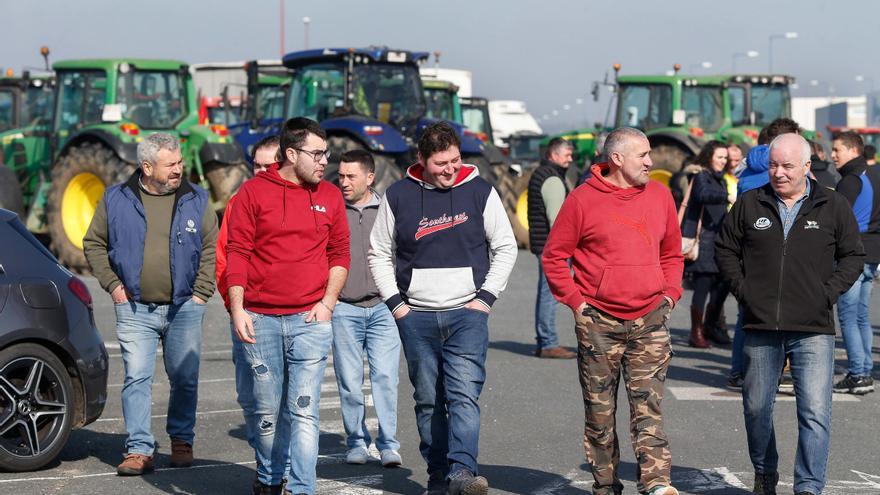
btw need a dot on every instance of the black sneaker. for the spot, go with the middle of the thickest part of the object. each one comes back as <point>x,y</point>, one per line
<point>465,483</point>
<point>852,384</point>
<point>436,484</point>
<point>804,493</point>
<point>735,382</point>
<point>765,484</point>
<point>786,384</point>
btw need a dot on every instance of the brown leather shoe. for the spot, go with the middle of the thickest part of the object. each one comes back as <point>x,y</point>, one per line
<point>135,465</point>
<point>558,352</point>
<point>181,453</point>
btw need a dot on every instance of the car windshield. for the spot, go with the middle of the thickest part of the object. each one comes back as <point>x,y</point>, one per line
<point>645,106</point>
<point>439,104</point>
<point>391,93</point>
<point>702,106</point>
<point>770,103</point>
<point>152,99</point>
<point>37,105</point>
<point>6,110</point>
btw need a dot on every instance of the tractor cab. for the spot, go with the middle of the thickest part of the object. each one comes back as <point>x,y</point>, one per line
<point>475,117</point>
<point>441,100</point>
<point>375,83</point>
<point>25,102</point>
<point>754,101</point>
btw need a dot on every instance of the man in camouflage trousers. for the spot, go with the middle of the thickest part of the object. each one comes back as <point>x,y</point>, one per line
<point>621,233</point>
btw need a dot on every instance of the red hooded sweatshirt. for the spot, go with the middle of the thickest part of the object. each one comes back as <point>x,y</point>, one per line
<point>283,240</point>
<point>625,246</point>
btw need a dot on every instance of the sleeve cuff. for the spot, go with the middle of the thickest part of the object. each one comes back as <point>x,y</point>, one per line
<point>394,302</point>
<point>574,300</point>
<point>234,279</point>
<point>486,297</point>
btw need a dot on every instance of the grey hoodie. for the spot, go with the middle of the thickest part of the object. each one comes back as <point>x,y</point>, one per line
<point>360,289</point>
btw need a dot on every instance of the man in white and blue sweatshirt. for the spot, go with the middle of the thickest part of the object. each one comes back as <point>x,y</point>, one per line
<point>442,249</point>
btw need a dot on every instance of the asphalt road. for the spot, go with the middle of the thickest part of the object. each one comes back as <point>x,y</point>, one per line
<point>532,423</point>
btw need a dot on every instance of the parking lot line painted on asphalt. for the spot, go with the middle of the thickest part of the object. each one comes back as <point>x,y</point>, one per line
<point>329,403</point>
<point>721,394</point>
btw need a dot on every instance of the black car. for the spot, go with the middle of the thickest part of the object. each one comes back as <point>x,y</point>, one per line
<point>53,364</point>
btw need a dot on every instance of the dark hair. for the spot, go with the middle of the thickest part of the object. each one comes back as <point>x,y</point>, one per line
<point>436,138</point>
<point>870,152</point>
<point>556,144</point>
<point>815,147</point>
<point>362,157</point>
<point>295,132</point>
<point>778,127</point>
<point>850,139</point>
<point>264,143</point>
<point>704,158</point>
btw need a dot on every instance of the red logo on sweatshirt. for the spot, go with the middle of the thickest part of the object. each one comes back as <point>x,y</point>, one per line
<point>437,224</point>
<point>639,225</point>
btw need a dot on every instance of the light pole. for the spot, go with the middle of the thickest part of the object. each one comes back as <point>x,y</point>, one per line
<point>784,36</point>
<point>701,65</point>
<point>281,20</point>
<point>306,21</point>
<point>748,54</point>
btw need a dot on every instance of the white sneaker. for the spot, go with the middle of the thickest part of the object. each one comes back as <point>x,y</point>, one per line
<point>357,455</point>
<point>663,490</point>
<point>391,458</point>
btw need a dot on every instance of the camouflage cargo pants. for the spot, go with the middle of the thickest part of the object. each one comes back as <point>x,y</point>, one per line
<point>641,349</point>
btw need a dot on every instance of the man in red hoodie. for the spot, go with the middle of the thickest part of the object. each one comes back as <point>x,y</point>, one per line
<point>621,233</point>
<point>288,258</point>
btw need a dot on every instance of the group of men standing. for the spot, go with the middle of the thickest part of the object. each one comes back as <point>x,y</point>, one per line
<point>305,266</point>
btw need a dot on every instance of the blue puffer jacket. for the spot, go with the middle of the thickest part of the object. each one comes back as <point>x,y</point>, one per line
<point>755,175</point>
<point>127,226</point>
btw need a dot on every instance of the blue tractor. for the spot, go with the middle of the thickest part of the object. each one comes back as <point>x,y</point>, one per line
<point>367,98</point>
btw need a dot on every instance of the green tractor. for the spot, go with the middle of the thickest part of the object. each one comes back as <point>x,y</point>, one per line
<point>102,109</point>
<point>25,108</point>
<point>751,103</point>
<point>441,100</point>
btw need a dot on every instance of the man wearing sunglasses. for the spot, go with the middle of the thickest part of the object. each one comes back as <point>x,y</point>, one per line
<point>288,258</point>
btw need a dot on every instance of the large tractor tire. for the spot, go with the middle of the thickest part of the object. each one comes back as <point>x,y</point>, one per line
<point>10,192</point>
<point>388,171</point>
<point>669,156</point>
<point>79,179</point>
<point>225,179</point>
<point>514,197</point>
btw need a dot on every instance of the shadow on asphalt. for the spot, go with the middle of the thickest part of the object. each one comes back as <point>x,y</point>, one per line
<point>525,481</point>
<point>517,347</point>
<point>106,447</point>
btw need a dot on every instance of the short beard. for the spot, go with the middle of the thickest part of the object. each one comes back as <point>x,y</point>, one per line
<point>303,178</point>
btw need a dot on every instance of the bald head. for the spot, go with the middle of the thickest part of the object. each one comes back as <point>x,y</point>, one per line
<point>789,165</point>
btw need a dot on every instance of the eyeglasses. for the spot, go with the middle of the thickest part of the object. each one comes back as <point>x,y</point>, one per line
<point>316,154</point>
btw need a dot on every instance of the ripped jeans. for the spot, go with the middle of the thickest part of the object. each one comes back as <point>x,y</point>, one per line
<point>287,346</point>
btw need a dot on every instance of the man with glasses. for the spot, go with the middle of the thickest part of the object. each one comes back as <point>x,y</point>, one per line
<point>288,259</point>
<point>263,154</point>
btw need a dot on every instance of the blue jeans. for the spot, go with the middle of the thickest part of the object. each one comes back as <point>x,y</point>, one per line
<point>357,329</point>
<point>545,312</point>
<point>739,337</point>
<point>812,368</point>
<point>446,356</point>
<point>854,313</point>
<point>140,327</point>
<point>244,389</point>
<point>287,349</point>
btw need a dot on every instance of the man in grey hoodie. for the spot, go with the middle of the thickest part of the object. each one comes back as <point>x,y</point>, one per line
<point>361,322</point>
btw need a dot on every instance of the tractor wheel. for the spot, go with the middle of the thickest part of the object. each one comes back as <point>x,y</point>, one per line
<point>79,179</point>
<point>483,167</point>
<point>668,156</point>
<point>387,169</point>
<point>513,191</point>
<point>10,192</point>
<point>225,179</point>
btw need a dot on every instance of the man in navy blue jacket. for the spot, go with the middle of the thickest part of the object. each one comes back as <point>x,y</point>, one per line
<point>429,256</point>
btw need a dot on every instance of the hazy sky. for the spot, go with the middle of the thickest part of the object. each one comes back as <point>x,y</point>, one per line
<point>546,53</point>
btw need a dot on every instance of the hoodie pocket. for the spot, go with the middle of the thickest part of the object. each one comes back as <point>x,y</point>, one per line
<point>441,287</point>
<point>292,284</point>
<point>629,286</point>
